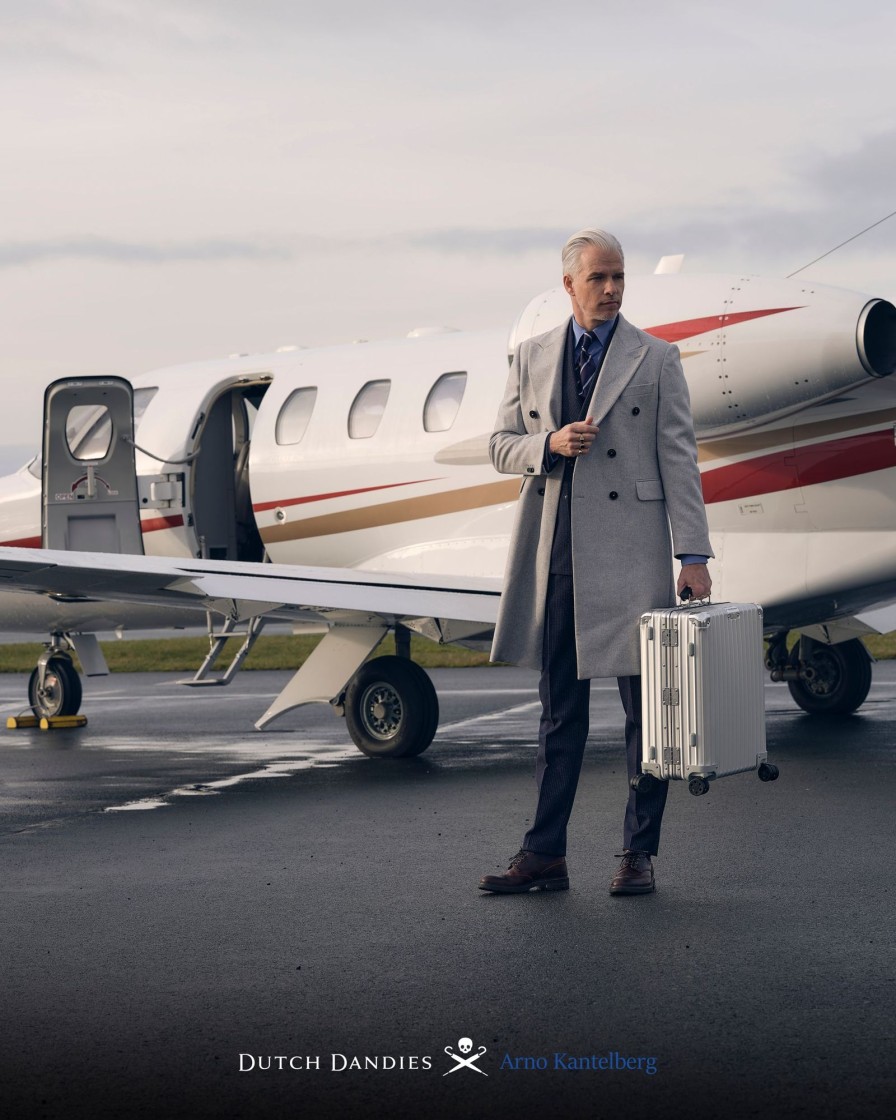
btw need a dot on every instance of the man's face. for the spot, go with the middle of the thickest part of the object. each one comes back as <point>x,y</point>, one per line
<point>596,289</point>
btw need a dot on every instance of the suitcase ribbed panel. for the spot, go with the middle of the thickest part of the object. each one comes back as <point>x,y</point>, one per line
<point>703,690</point>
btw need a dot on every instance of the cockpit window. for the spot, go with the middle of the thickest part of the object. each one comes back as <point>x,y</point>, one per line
<point>142,397</point>
<point>443,402</point>
<point>367,409</point>
<point>294,416</point>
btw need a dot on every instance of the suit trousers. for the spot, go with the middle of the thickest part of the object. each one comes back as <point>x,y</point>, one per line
<point>564,729</point>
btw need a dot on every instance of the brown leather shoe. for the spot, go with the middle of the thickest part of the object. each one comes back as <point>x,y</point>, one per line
<point>529,871</point>
<point>635,874</point>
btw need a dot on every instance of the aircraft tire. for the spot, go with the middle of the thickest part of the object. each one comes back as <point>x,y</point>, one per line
<point>61,694</point>
<point>841,683</point>
<point>391,708</point>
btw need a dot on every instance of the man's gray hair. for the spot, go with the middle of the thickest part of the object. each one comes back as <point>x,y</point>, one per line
<point>599,238</point>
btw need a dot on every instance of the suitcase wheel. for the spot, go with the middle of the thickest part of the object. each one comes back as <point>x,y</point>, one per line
<point>644,783</point>
<point>698,786</point>
<point>767,771</point>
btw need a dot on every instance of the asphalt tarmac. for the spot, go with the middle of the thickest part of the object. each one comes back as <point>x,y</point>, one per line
<point>201,920</point>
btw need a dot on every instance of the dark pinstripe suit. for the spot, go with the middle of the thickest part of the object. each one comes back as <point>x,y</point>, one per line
<point>564,698</point>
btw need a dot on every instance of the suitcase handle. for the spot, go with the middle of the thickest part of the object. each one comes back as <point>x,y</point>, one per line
<point>687,597</point>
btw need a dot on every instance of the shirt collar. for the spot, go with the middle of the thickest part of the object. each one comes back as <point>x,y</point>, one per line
<point>602,330</point>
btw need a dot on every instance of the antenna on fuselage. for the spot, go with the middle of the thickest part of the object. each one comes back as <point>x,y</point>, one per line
<point>879,222</point>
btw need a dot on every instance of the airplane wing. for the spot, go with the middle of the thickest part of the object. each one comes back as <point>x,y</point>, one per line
<point>439,606</point>
<point>358,606</point>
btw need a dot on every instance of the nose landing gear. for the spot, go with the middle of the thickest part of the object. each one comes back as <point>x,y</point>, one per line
<point>55,687</point>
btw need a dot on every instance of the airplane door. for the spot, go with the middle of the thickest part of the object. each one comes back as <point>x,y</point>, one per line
<point>89,489</point>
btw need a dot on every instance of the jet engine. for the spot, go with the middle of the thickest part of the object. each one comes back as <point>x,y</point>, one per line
<point>754,349</point>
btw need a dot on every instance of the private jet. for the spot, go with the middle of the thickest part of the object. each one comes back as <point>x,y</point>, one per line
<point>350,487</point>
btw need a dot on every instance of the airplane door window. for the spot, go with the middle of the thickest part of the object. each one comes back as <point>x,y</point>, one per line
<point>88,431</point>
<point>367,409</point>
<point>443,402</point>
<point>85,433</point>
<point>294,416</point>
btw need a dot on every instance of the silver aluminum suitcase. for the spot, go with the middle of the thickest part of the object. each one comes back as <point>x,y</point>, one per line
<point>702,694</point>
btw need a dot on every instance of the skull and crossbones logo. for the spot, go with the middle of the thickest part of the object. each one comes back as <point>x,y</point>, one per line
<point>465,1045</point>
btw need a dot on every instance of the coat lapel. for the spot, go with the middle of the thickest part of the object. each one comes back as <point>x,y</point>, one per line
<point>625,354</point>
<point>546,374</point>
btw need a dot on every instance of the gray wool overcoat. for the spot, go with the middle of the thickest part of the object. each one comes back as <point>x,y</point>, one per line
<point>639,480</point>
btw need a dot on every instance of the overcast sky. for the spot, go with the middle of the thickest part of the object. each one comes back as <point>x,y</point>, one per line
<point>188,178</point>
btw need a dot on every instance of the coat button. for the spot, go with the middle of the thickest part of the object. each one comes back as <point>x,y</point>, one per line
<point>533,413</point>
<point>530,470</point>
<point>635,410</point>
<point>611,454</point>
<point>613,495</point>
<point>541,490</point>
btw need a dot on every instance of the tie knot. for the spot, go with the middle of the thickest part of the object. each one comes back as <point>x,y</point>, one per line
<point>587,340</point>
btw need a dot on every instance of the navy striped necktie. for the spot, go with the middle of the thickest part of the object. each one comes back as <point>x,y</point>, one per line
<point>586,366</point>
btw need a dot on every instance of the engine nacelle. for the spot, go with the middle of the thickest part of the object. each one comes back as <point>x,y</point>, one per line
<point>753,348</point>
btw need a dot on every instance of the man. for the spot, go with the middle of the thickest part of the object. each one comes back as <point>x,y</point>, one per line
<point>596,418</point>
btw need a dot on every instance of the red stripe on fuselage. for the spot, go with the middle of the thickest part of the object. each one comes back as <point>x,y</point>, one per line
<point>148,526</point>
<point>261,506</point>
<point>25,542</point>
<point>151,524</point>
<point>801,466</point>
<point>688,328</point>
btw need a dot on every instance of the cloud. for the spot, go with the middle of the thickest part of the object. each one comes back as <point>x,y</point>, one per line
<point>835,196</point>
<point>110,251</point>
<point>859,176</point>
<point>496,241</point>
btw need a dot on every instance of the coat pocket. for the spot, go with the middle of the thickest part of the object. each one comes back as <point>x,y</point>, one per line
<point>650,489</point>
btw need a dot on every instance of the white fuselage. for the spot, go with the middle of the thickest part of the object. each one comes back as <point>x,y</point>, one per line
<point>796,437</point>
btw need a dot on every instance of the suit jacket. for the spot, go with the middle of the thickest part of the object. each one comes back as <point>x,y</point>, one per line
<point>634,498</point>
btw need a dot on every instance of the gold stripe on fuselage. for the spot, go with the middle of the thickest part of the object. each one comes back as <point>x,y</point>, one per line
<point>391,513</point>
<point>380,514</point>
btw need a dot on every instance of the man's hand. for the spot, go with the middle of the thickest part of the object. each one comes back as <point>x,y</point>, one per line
<point>695,576</point>
<point>575,439</point>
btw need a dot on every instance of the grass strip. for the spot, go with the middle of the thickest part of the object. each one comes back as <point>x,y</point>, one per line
<point>271,651</point>
<point>283,651</point>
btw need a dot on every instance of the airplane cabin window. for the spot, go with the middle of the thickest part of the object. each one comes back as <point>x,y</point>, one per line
<point>367,409</point>
<point>88,431</point>
<point>443,402</point>
<point>294,416</point>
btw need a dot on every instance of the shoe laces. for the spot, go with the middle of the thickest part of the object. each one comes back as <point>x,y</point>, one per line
<point>630,859</point>
<point>518,858</point>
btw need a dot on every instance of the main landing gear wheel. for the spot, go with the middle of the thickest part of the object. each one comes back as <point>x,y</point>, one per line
<point>391,708</point>
<point>60,694</point>
<point>839,681</point>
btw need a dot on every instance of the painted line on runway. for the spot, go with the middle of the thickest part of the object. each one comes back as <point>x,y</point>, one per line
<point>333,755</point>
<point>490,717</point>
